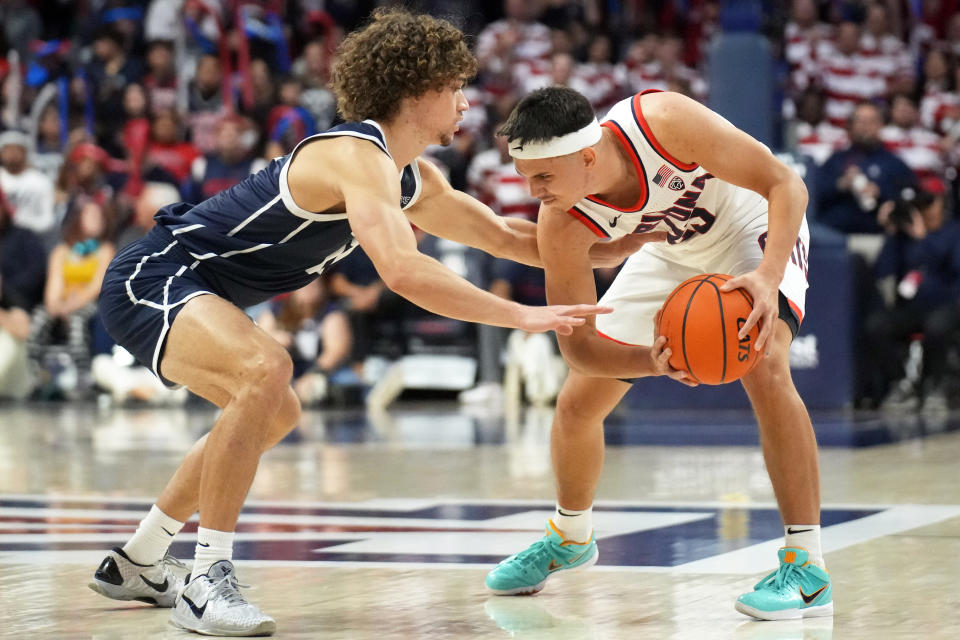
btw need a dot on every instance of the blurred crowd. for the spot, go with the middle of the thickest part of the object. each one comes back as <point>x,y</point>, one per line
<point>110,109</point>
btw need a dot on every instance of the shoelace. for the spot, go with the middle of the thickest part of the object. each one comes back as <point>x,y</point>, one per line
<point>534,553</point>
<point>229,588</point>
<point>787,575</point>
<point>168,560</point>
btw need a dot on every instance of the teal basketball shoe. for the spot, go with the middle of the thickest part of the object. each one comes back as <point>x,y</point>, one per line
<point>526,572</point>
<point>798,589</point>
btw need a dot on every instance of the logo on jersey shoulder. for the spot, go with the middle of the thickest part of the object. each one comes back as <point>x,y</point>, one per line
<point>676,184</point>
<point>662,176</point>
<point>684,219</point>
<point>613,221</point>
<point>405,200</point>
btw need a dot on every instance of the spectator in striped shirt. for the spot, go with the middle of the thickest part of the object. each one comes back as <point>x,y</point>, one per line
<point>813,135</point>
<point>940,105</point>
<point>507,48</point>
<point>845,76</point>
<point>492,179</point>
<point>916,145</point>
<point>803,39</point>
<point>884,53</point>
<point>637,71</point>
<point>599,74</point>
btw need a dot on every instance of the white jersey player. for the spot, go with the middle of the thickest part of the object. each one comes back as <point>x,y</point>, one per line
<point>663,164</point>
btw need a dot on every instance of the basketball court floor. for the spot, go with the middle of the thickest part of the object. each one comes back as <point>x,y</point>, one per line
<point>383,526</point>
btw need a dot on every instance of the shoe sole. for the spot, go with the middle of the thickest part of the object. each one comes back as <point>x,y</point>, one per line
<point>115,593</point>
<point>267,628</point>
<point>529,591</point>
<point>819,611</point>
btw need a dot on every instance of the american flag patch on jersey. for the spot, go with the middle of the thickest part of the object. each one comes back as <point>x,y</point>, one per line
<point>663,175</point>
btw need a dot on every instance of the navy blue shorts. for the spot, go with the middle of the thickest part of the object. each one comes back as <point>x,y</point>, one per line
<point>145,287</point>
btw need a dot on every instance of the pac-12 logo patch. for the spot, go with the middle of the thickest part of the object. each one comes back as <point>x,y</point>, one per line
<point>676,184</point>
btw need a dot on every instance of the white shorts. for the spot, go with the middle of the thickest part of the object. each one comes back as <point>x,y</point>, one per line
<point>652,273</point>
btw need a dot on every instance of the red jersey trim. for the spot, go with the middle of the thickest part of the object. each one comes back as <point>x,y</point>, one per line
<point>637,166</point>
<point>588,222</point>
<point>648,134</point>
<point>606,337</point>
<point>796,310</point>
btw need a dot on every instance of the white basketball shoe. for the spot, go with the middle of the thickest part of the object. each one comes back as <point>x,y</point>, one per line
<point>120,578</point>
<point>212,604</point>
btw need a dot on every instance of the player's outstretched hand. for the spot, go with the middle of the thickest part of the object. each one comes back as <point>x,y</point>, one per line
<point>613,253</point>
<point>660,356</point>
<point>560,318</point>
<point>763,288</point>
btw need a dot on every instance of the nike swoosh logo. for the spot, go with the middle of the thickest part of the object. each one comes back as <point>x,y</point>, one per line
<point>159,587</point>
<point>197,611</point>
<point>613,222</point>
<point>789,530</point>
<point>200,544</point>
<point>554,565</point>
<point>813,596</point>
<point>169,533</point>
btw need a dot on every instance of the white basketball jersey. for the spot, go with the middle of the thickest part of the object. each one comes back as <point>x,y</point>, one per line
<point>691,205</point>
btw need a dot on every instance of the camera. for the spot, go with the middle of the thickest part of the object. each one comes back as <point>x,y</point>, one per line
<point>901,216</point>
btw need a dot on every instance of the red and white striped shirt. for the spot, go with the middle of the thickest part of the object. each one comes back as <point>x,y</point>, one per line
<point>847,80</point>
<point>939,109</point>
<point>819,141</point>
<point>800,50</point>
<point>887,56</point>
<point>495,182</point>
<point>918,147</point>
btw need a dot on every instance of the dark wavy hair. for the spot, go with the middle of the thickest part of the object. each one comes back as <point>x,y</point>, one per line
<point>545,113</point>
<point>396,56</point>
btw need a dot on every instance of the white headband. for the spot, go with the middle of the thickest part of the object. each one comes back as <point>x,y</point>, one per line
<point>559,145</point>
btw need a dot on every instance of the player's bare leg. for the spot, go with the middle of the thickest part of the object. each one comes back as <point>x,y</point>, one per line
<point>577,449</point>
<point>576,440</point>
<point>181,497</point>
<point>786,434</point>
<point>213,345</point>
<point>799,587</point>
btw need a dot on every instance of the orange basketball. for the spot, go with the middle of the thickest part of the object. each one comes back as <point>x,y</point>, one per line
<point>701,324</point>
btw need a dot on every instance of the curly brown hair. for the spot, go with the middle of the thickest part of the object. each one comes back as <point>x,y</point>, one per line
<point>396,56</point>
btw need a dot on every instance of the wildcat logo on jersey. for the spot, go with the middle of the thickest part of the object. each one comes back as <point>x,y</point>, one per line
<point>676,184</point>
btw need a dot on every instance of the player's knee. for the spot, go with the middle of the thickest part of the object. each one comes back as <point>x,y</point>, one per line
<point>289,414</point>
<point>288,417</point>
<point>573,412</point>
<point>267,370</point>
<point>772,374</point>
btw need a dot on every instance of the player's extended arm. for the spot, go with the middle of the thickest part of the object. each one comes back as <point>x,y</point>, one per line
<point>366,182</point>
<point>564,245</point>
<point>693,133</point>
<point>445,212</point>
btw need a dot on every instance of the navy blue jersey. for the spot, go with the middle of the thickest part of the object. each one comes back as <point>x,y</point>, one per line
<point>252,242</point>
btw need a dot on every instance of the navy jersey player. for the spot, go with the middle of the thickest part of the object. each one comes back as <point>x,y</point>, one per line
<point>660,161</point>
<point>173,298</point>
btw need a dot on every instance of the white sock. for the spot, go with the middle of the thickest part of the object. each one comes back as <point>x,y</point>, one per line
<point>152,538</point>
<point>574,525</point>
<point>212,546</point>
<point>805,536</point>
